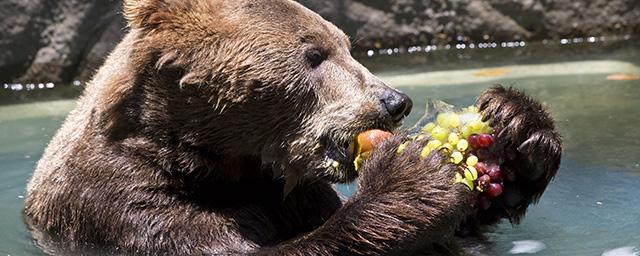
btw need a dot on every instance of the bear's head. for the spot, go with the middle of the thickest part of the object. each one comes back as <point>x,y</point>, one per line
<point>263,78</point>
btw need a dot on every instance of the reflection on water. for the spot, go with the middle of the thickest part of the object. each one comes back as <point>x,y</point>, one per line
<point>592,206</point>
<point>548,51</point>
<point>461,45</point>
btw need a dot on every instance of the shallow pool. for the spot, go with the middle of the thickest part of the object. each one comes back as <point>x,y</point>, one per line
<point>592,207</point>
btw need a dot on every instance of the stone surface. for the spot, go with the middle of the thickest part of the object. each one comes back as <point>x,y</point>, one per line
<point>402,22</point>
<point>53,41</point>
<point>45,41</point>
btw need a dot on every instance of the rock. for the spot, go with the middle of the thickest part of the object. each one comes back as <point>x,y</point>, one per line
<point>59,41</point>
<point>396,22</point>
<point>19,35</point>
<point>99,49</point>
<point>48,39</point>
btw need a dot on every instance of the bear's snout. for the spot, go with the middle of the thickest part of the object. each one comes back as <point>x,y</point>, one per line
<point>397,105</point>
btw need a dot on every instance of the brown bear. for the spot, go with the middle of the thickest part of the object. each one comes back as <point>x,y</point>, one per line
<point>218,127</point>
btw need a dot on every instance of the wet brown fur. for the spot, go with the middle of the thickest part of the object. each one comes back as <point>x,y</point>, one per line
<point>205,133</point>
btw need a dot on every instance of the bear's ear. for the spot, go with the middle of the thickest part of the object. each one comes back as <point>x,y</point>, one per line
<point>147,13</point>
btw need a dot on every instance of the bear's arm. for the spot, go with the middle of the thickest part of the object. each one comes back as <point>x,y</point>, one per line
<point>402,201</point>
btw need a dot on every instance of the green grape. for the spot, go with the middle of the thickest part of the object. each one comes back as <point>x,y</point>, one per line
<point>471,173</point>
<point>429,127</point>
<point>434,144</point>
<point>459,179</point>
<point>472,160</point>
<point>456,157</point>
<point>425,151</point>
<point>454,138</point>
<point>470,177</point>
<point>462,145</point>
<point>447,146</point>
<point>466,131</point>
<point>402,147</point>
<point>452,120</point>
<point>440,119</point>
<point>486,128</point>
<point>476,126</point>
<point>439,133</point>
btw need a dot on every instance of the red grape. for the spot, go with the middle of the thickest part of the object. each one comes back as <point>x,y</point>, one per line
<point>473,140</point>
<point>495,189</point>
<point>481,168</point>
<point>485,140</point>
<point>493,170</point>
<point>484,181</point>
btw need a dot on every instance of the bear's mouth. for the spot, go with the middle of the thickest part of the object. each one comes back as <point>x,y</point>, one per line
<point>338,161</point>
<point>339,158</point>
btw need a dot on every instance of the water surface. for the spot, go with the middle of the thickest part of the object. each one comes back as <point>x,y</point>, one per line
<point>25,129</point>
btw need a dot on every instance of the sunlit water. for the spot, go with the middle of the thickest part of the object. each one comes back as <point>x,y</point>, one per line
<point>592,207</point>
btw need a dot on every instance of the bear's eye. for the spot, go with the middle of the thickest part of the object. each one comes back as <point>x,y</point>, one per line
<point>315,57</point>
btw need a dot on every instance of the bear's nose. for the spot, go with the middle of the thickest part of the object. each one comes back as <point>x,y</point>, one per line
<point>397,104</point>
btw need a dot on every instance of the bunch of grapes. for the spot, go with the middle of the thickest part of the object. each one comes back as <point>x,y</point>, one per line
<point>465,138</point>
<point>470,143</point>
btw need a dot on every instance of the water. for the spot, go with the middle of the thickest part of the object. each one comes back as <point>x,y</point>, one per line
<point>590,208</point>
<point>24,132</point>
